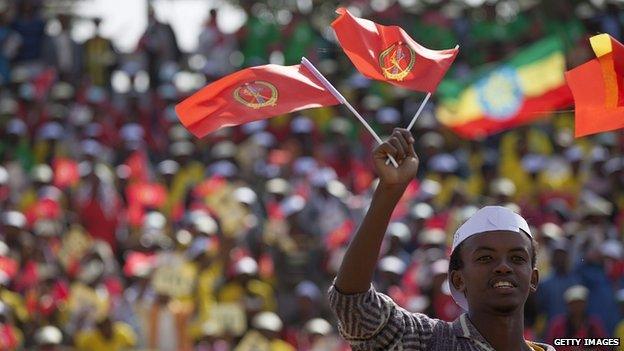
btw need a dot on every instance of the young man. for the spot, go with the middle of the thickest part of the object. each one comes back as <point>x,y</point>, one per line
<point>491,274</point>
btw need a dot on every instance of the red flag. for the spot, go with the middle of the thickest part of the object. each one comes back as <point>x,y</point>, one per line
<point>252,94</point>
<point>388,53</point>
<point>596,87</point>
<point>610,54</point>
<point>591,115</point>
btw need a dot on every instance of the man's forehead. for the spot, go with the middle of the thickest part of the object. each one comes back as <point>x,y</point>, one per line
<point>490,218</point>
<point>498,239</point>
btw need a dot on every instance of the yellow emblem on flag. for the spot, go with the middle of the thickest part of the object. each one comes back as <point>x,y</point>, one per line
<point>257,94</point>
<point>397,61</point>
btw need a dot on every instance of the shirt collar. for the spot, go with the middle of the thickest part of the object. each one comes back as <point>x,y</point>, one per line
<point>463,328</point>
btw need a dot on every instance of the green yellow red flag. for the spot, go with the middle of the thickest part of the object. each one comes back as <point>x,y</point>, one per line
<point>527,86</point>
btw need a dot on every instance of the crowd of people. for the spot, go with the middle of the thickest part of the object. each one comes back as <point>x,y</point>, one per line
<point>119,230</point>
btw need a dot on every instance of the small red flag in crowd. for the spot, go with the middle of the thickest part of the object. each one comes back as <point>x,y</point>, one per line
<point>147,194</point>
<point>598,88</point>
<point>388,53</point>
<point>252,94</point>
<point>65,172</point>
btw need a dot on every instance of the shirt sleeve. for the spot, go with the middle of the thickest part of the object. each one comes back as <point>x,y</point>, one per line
<point>372,321</point>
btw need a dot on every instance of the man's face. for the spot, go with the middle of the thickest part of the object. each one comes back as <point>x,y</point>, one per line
<point>576,307</point>
<point>497,275</point>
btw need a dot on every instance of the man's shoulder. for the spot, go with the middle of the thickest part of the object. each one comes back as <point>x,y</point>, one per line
<point>372,317</point>
<point>438,326</point>
<point>365,298</point>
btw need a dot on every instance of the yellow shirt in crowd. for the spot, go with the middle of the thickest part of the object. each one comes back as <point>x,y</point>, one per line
<point>92,340</point>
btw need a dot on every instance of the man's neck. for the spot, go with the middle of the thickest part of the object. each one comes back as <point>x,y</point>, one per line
<point>504,333</point>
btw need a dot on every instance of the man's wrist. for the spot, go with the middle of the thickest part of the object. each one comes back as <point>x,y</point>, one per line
<point>394,187</point>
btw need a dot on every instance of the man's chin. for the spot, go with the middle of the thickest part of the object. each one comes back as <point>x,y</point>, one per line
<point>504,307</point>
<point>505,310</point>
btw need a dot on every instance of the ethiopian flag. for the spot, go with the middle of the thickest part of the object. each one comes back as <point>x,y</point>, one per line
<point>525,87</point>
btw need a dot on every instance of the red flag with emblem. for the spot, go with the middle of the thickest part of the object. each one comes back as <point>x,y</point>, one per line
<point>388,53</point>
<point>252,94</point>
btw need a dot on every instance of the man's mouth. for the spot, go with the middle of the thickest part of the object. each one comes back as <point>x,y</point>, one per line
<point>503,284</point>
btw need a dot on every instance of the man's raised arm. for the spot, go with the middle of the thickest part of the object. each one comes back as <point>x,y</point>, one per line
<point>358,265</point>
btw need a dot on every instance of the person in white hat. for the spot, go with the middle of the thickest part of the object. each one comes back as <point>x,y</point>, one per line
<point>576,322</point>
<point>491,273</point>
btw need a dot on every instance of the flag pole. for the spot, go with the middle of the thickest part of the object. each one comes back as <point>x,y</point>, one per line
<point>422,105</point>
<point>413,121</point>
<point>344,101</point>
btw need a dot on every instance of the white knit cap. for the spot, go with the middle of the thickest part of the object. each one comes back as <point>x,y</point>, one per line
<point>487,219</point>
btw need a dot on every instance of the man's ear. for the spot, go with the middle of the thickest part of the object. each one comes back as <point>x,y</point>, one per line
<point>534,280</point>
<point>457,279</point>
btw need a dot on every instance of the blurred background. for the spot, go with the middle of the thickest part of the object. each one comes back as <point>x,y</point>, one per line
<point>119,230</point>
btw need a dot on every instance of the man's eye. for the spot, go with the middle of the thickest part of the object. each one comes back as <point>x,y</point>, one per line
<point>484,258</point>
<point>518,259</point>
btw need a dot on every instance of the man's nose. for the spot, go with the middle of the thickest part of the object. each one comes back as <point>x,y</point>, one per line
<point>503,267</point>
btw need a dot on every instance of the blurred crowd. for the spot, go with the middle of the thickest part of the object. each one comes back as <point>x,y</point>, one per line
<point>119,230</point>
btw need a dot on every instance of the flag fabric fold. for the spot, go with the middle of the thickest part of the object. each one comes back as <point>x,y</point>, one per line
<point>389,54</point>
<point>610,55</point>
<point>597,88</point>
<point>252,94</point>
<point>527,86</point>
